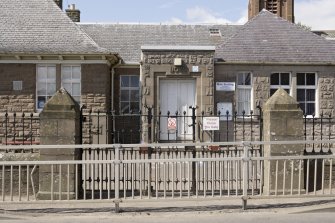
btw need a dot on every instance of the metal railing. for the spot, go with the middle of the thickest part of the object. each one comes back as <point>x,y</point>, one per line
<point>242,175</point>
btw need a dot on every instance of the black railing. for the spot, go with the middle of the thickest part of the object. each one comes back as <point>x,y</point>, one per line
<point>185,126</point>
<point>318,128</point>
<point>19,129</point>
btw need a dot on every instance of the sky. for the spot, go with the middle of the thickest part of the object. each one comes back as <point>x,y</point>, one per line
<point>317,14</point>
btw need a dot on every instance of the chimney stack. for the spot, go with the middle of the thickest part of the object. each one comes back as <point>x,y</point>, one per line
<point>59,3</point>
<point>73,13</point>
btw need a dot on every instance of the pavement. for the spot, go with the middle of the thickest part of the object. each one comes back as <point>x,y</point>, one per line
<point>274,210</point>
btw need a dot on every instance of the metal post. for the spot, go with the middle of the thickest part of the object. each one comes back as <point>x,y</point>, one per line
<point>194,153</point>
<point>117,178</point>
<point>149,125</point>
<point>245,160</point>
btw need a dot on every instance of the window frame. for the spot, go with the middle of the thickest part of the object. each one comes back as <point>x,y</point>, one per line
<point>285,87</point>
<point>244,87</point>
<point>129,89</point>
<point>312,87</point>
<point>72,81</point>
<point>54,81</point>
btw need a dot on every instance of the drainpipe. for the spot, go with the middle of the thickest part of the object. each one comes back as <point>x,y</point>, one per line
<point>112,82</point>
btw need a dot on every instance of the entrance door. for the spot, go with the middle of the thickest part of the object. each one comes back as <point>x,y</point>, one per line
<point>176,96</point>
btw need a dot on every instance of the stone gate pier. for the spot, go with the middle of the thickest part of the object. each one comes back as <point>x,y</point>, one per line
<point>59,125</point>
<point>283,121</point>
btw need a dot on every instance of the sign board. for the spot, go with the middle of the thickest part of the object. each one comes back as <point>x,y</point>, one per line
<point>211,123</point>
<point>172,124</point>
<point>223,107</point>
<point>225,86</point>
<point>195,68</point>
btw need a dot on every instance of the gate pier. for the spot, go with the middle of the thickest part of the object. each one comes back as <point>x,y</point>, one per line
<point>59,125</point>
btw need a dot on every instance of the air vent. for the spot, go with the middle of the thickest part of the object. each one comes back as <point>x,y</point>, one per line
<point>214,32</point>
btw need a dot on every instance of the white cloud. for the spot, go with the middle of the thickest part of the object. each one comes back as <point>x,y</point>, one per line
<point>319,14</point>
<point>200,15</point>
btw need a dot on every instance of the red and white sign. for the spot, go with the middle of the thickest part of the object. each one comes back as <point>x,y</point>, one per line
<point>211,123</point>
<point>172,123</point>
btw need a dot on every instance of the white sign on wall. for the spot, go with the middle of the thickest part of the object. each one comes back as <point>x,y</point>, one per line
<point>225,86</point>
<point>223,107</point>
<point>211,123</point>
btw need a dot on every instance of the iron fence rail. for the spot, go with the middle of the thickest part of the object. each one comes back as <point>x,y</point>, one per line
<point>242,175</point>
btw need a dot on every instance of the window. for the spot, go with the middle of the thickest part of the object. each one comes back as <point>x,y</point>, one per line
<point>129,94</point>
<point>214,32</point>
<point>306,91</point>
<point>278,80</point>
<point>244,87</point>
<point>45,84</point>
<point>71,80</point>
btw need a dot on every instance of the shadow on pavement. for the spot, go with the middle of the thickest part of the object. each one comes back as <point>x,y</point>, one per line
<point>251,207</point>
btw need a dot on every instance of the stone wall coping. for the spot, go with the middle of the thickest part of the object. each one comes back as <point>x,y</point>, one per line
<point>183,48</point>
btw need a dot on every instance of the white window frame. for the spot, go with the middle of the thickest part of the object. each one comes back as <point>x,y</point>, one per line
<point>244,87</point>
<point>129,88</point>
<point>72,80</point>
<point>313,87</point>
<point>285,87</point>
<point>45,82</point>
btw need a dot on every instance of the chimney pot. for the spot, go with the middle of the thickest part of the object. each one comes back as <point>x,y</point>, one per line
<point>73,13</point>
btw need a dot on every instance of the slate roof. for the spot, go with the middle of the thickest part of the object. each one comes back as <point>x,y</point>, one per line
<point>127,39</point>
<point>269,38</point>
<point>40,27</point>
<point>328,34</point>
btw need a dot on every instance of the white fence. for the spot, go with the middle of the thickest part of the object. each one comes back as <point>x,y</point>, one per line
<point>241,173</point>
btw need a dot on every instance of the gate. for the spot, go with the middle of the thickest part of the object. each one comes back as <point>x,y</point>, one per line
<point>187,177</point>
<point>146,126</point>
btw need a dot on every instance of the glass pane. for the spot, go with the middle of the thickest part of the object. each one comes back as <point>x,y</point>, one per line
<point>124,81</point>
<point>76,72</point>
<point>134,81</point>
<point>124,107</point>
<point>274,79</point>
<point>248,79</point>
<point>301,95</point>
<point>134,95</point>
<point>300,79</point>
<point>41,73</point>
<point>302,106</point>
<point>41,89</point>
<point>310,94</point>
<point>40,102</point>
<point>134,107</point>
<point>66,70</point>
<point>67,87</point>
<point>285,79</point>
<point>240,79</point>
<point>66,77</point>
<point>272,91</point>
<point>124,95</point>
<point>310,109</point>
<point>310,79</point>
<point>287,90</point>
<point>51,89</point>
<point>51,72</point>
<point>76,89</point>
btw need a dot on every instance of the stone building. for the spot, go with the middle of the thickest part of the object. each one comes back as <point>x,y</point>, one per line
<point>125,68</point>
<point>42,50</point>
